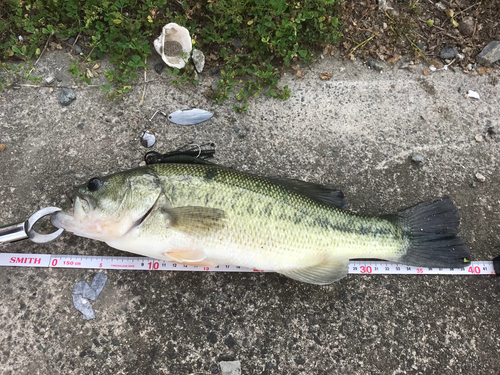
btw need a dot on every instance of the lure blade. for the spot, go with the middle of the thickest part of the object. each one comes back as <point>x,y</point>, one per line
<point>190,116</point>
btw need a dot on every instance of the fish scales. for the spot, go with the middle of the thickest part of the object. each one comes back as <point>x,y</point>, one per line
<point>269,223</point>
<point>204,214</point>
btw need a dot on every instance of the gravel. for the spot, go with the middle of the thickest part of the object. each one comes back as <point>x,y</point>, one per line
<point>490,54</point>
<point>67,96</point>
<point>419,159</point>
<point>448,53</point>
<point>375,65</point>
<point>199,60</point>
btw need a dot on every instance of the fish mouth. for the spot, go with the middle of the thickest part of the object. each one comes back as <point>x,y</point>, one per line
<point>82,204</point>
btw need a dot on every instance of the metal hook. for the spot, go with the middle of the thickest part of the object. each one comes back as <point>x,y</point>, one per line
<point>158,110</point>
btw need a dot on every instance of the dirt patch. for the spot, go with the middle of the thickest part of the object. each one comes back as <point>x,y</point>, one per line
<point>419,29</point>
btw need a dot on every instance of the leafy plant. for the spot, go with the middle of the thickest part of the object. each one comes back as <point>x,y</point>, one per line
<point>252,39</point>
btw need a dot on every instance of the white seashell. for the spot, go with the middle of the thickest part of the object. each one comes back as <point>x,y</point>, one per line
<point>174,45</point>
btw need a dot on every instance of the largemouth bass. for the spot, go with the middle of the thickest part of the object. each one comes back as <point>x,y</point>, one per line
<point>204,214</point>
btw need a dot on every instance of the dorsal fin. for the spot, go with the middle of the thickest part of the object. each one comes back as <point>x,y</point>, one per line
<point>319,193</point>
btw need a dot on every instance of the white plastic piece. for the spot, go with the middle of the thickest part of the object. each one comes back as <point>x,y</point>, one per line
<point>473,94</point>
<point>174,45</point>
<point>432,68</point>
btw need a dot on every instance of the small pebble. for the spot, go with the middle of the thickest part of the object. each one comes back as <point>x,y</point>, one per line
<point>421,46</point>
<point>215,70</point>
<point>230,368</point>
<point>158,67</point>
<point>448,53</point>
<point>199,60</point>
<point>416,158</point>
<point>480,177</point>
<point>466,26</point>
<point>2,147</point>
<point>49,80</point>
<point>375,65</point>
<point>479,138</point>
<point>67,96</point>
<point>236,128</point>
<point>78,49</point>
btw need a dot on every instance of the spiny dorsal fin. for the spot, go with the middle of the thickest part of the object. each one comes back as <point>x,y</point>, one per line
<point>320,193</point>
<point>195,220</point>
<point>321,274</point>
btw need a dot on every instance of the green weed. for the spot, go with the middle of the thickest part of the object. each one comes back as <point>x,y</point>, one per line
<point>252,39</point>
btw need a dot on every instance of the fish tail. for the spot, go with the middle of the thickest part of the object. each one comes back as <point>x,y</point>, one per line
<point>430,229</point>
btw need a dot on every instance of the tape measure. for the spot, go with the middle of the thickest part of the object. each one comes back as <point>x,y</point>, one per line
<point>143,263</point>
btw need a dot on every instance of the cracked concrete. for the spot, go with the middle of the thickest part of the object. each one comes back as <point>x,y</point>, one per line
<point>356,131</point>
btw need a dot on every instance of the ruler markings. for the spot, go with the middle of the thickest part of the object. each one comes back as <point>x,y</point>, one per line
<point>143,263</point>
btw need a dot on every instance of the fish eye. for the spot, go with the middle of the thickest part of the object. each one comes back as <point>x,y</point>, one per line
<point>94,184</point>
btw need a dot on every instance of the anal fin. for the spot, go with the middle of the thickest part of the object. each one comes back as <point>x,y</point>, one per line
<point>320,274</point>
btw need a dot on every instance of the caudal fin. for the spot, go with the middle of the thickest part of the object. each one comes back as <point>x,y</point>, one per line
<point>431,228</point>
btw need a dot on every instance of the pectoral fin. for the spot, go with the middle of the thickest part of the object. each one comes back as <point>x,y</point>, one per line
<point>321,274</point>
<point>195,220</point>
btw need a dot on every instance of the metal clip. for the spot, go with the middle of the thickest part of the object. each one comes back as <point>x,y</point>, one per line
<point>24,230</point>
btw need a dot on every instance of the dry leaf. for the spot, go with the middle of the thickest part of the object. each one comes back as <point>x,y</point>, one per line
<point>96,66</point>
<point>394,59</point>
<point>488,70</point>
<point>426,73</point>
<point>449,12</point>
<point>89,73</point>
<point>299,74</point>
<point>326,76</point>
<point>436,63</point>
<point>295,67</point>
<point>2,147</point>
<point>481,70</point>
<point>393,86</point>
<point>329,50</point>
<point>54,45</point>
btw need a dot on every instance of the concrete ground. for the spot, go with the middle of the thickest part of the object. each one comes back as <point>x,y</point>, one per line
<point>357,131</point>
